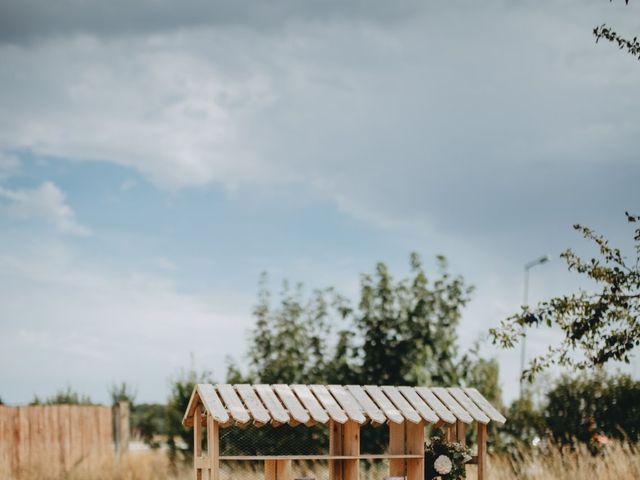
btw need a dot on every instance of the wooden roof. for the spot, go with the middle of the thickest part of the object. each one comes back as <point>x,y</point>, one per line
<point>311,404</point>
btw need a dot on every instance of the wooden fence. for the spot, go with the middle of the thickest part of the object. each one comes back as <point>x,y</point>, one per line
<point>53,439</point>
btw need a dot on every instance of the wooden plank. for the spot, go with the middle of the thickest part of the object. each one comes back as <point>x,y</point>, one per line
<point>311,403</point>
<point>391,412</point>
<point>335,450</point>
<point>233,403</point>
<point>414,444</point>
<point>278,414</point>
<point>368,406</point>
<point>485,406</point>
<point>459,412</point>
<point>328,402</point>
<point>362,456</point>
<point>197,440</point>
<point>441,410</point>
<point>351,447</point>
<point>258,411</point>
<point>284,470</point>
<point>419,404</point>
<point>482,451</point>
<point>348,403</point>
<point>470,407</point>
<point>397,467</point>
<point>399,401</point>
<point>213,448</point>
<point>205,393</point>
<point>295,408</point>
<point>461,434</point>
<point>270,470</point>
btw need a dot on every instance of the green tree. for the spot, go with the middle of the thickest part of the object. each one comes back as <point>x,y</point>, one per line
<point>64,397</point>
<point>598,326</point>
<point>180,439</point>
<point>122,392</point>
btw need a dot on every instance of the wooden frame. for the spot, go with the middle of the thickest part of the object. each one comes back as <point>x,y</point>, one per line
<point>406,410</point>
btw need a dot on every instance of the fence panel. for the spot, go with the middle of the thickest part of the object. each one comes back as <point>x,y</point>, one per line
<point>53,438</point>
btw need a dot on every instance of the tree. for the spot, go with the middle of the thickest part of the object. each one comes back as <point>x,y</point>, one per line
<point>598,326</point>
<point>122,393</point>
<point>180,440</point>
<point>64,397</point>
<point>603,31</point>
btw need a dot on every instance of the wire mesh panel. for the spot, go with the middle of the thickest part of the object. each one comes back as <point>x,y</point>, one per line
<point>241,470</point>
<point>269,440</point>
<point>374,469</point>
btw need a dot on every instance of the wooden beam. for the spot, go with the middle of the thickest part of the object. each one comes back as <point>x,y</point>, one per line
<point>270,470</point>
<point>213,448</point>
<point>335,448</point>
<point>284,470</point>
<point>414,445</point>
<point>461,436</point>
<point>351,447</point>
<point>197,440</point>
<point>397,467</point>
<point>482,451</point>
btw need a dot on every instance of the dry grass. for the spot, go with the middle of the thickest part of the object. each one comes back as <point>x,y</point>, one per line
<point>618,462</point>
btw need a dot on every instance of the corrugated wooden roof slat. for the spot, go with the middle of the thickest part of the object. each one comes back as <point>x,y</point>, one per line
<point>470,407</point>
<point>278,413</point>
<point>418,403</point>
<point>348,403</point>
<point>311,403</point>
<point>452,405</point>
<point>484,404</point>
<point>368,405</point>
<point>328,402</point>
<point>388,408</point>
<point>212,403</point>
<point>258,411</point>
<point>296,410</point>
<point>306,404</point>
<point>434,402</point>
<point>234,404</point>
<point>399,401</point>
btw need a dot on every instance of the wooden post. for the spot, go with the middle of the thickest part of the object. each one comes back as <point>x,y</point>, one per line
<point>397,466</point>
<point>197,442</point>
<point>213,448</point>
<point>461,436</point>
<point>121,427</point>
<point>482,451</point>
<point>351,447</point>
<point>335,448</point>
<point>414,445</point>
<point>278,469</point>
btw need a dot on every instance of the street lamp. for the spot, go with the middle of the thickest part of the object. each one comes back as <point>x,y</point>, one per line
<point>528,266</point>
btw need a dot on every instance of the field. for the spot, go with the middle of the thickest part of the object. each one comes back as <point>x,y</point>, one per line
<point>618,462</point>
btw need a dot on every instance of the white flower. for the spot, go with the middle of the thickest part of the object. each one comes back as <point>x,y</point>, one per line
<point>443,465</point>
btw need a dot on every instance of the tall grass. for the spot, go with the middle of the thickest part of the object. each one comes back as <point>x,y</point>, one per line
<point>618,461</point>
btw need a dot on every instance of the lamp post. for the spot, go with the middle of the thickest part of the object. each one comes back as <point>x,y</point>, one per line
<point>528,266</point>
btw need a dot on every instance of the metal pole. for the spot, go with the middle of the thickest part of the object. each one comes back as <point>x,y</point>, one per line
<point>524,336</point>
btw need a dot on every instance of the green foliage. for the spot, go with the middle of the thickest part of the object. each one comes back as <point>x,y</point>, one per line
<point>401,332</point>
<point>631,46</point>
<point>525,426</point>
<point>63,397</point>
<point>122,393</point>
<point>408,329</point>
<point>180,439</point>
<point>148,421</point>
<point>597,327</point>
<point>579,407</point>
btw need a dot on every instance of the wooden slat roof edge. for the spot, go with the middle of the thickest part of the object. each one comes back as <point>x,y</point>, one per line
<point>223,414</point>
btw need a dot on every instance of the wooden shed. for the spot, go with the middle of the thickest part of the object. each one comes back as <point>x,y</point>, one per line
<point>344,410</point>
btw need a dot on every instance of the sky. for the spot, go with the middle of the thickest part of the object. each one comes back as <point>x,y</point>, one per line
<point>157,156</point>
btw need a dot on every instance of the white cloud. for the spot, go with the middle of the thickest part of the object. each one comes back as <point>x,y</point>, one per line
<point>82,322</point>
<point>46,202</point>
<point>9,165</point>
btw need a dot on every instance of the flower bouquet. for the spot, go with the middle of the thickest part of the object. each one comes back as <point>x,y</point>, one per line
<point>445,460</point>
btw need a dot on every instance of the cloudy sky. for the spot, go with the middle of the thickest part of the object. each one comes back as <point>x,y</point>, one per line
<point>156,156</point>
